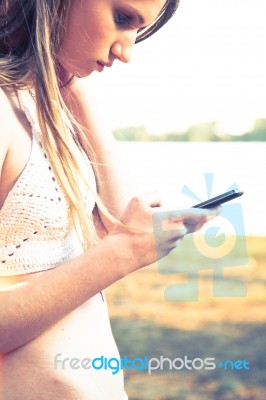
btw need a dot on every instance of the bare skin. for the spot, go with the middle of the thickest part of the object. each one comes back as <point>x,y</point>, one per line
<point>60,311</point>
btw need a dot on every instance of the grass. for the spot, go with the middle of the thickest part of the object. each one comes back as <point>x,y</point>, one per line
<point>144,323</point>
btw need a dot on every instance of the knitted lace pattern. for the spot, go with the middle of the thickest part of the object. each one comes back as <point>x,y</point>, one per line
<point>35,233</point>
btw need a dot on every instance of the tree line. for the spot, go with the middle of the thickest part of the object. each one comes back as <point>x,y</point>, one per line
<point>205,132</point>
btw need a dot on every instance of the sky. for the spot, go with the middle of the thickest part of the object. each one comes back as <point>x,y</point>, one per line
<point>208,63</point>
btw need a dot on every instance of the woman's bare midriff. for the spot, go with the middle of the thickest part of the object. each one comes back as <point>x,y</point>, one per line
<point>56,365</point>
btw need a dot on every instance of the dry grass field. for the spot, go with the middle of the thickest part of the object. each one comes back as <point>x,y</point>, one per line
<point>234,328</point>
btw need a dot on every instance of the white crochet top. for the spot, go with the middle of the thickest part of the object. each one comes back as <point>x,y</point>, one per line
<point>35,233</point>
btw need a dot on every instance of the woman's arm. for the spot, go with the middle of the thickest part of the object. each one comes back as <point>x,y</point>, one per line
<point>31,307</point>
<point>116,186</point>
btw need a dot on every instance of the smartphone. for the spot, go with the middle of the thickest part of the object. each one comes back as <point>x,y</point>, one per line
<point>222,198</point>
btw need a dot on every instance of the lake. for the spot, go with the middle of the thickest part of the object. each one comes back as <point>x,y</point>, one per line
<point>168,166</point>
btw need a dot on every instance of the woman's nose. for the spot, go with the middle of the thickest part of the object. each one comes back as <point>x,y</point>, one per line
<point>122,53</point>
<point>122,50</point>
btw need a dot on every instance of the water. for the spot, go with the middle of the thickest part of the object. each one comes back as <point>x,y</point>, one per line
<point>167,167</point>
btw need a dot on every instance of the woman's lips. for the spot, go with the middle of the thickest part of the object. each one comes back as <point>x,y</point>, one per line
<point>101,65</point>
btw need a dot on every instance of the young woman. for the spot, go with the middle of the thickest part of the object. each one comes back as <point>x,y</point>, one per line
<point>68,227</point>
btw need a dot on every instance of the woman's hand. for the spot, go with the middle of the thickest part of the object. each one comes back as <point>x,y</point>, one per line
<point>157,230</point>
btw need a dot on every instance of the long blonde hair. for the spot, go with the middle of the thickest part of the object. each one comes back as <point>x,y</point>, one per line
<point>31,32</point>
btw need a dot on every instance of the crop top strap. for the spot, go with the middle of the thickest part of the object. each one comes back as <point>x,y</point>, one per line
<point>29,115</point>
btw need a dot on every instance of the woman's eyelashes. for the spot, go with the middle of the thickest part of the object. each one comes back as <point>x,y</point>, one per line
<point>122,19</point>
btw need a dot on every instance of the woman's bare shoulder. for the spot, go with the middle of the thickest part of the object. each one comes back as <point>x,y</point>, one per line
<point>5,113</point>
<point>4,107</point>
<point>3,98</point>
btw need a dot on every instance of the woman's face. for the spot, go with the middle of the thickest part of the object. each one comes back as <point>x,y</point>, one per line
<point>101,31</point>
